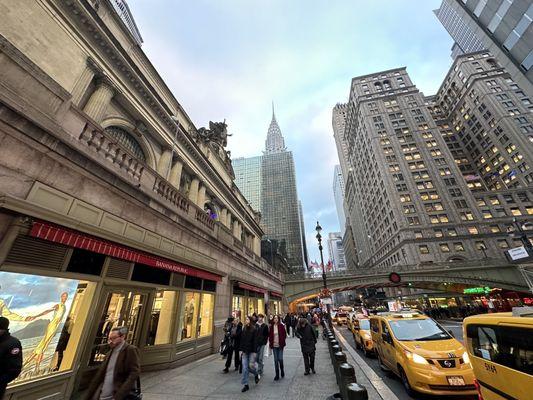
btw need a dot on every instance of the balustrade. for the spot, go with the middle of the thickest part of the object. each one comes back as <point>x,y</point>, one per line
<point>170,193</point>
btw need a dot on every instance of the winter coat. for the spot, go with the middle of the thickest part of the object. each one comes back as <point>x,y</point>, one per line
<point>248,342</point>
<point>235,336</point>
<point>307,338</point>
<point>262,334</point>
<point>282,335</point>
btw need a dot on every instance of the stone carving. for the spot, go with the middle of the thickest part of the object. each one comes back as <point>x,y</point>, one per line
<point>217,133</point>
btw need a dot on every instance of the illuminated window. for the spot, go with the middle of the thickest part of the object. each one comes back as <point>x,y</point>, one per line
<point>207,308</point>
<point>161,318</point>
<point>452,232</point>
<point>444,248</point>
<point>516,211</point>
<point>473,230</point>
<point>188,316</point>
<point>423,249</point>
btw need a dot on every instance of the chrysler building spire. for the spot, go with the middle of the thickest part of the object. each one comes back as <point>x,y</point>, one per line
<point>274,142</point>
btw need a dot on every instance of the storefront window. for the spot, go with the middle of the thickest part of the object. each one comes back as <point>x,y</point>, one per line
<point>252,305</point>
<point>206,315</point>
<point>162,318</point>
<point>238,306</point>
<point>48,315</point>
<point>189,316</point>
<point>260,306</point>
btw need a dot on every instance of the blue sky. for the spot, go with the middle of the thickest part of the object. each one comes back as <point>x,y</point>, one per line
<point>228,59</point>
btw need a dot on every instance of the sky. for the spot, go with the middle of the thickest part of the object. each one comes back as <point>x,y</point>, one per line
<point>230,59</point>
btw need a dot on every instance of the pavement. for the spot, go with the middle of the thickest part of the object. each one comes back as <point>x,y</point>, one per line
<point>204,379</point>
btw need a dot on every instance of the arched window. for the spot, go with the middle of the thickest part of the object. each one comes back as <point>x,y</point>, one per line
<point>492,63</point>
<point>126,140</point>
<point>386,85</point>
<point>378,86</point>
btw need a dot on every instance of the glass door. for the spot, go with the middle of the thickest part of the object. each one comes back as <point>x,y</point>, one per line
<point>121,308</point>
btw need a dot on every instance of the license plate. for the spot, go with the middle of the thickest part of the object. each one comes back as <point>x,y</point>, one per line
<point>456,380</point>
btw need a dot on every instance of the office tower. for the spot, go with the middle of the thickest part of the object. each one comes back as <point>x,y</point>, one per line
<point>439,178</point>
<point>248,179</point>
<point>465,41</point>
<point>336,251</point>
<point>338,194</point>
<point>269,183</point>
<point>502,26</point>
<point>305,255</point>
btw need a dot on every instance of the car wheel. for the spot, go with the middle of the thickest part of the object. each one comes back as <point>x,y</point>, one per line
<point>405,382</point>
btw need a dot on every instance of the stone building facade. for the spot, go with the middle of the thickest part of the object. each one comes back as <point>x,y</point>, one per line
<point>437,178</point>
<point>114,208</point>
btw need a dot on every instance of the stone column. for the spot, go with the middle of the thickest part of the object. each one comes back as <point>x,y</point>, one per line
<point>193,190</point>
<point>83,81</point>
<point>99,100</point>
<point>175,174</point>
<point>201,197</point>
<point>164,163</point>
<point>257,246</point>
<point>223,217</point>
<point>228,221</point>
<point>236,229</point>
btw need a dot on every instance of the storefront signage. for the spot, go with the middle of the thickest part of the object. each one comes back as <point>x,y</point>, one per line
<point>256,289</point>
<point>57,234</point>
<point>477,290</point>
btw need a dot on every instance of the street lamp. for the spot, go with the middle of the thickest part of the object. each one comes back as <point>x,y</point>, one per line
<point>319,238</point>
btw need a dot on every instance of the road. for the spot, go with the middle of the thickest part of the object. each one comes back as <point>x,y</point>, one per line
<point>392,381</point>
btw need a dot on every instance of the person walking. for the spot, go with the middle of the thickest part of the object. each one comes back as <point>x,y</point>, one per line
<point>294,324</point>
<point>288,322</point>
<point>307,338</point>
<point>116,377</point>
<point>234,345</point>
<point>10,356</point>
<point>248,347</point>
<point>262,339</point>
<point>316,324</point>
<point>276,340</point>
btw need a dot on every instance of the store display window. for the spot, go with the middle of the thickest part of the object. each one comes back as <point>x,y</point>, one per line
<point>162,318</point>
<point>238,307</point>
<point>260,306</point>
<point>48,316</point>
<point>207,307</point>
<point>252,305</point>
<point>188,316</point>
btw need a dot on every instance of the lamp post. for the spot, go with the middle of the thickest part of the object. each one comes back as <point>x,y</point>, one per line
<point>319,238</point>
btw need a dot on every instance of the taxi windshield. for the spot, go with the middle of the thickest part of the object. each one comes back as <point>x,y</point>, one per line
<point>364,324</point>
<point>418,329</point>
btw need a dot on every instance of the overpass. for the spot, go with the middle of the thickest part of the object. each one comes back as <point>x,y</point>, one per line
<point>436,276</point>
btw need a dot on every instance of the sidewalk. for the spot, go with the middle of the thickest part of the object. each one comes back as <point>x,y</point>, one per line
<point>204,379</point>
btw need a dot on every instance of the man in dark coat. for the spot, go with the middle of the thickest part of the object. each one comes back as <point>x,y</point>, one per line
<point>117,376</point>
<point>262,339</point>
<point>10,356</point>
<point>288,322</point>
<point>307,337</point>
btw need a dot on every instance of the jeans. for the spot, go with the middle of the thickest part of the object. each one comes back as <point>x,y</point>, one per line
<point>278,358</point>
<point>248,366</point>
<point>260,354</point>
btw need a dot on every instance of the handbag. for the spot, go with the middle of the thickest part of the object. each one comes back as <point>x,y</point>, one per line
<point>135,393</point>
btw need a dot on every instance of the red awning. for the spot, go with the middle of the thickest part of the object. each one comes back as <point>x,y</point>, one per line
<point>68,237</point>
<point>276,294</point>
<point>252,288</point>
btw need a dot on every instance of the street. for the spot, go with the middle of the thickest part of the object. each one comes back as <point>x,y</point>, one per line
<point>393,382</point>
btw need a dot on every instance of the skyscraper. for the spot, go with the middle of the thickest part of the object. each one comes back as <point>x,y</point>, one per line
<point>438,178</point>
<point>336,251</point>
<point>248,179</point>
<point>502,27</point>
<point>269,183</point>
<point>462,33</point>
<point>338,194</point>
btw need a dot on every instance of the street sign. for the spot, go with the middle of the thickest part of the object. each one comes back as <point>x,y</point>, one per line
<point>394,277</point>
<point>518,253</point>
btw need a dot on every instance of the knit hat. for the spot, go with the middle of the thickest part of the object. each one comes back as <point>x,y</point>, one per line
<point>4,323</point>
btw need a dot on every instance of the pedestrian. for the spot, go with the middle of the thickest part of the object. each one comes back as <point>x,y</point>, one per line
<point>118,374</point>
<point>224,344</point>
<point>234,345</point>
<point>307,343</point>
<point>248,349</point>
<point>316,323</point>
<point>288,321</point>
<point>294,324</point>
<point>276,340</point>
<point>262,339</point>
<point>10,356</point>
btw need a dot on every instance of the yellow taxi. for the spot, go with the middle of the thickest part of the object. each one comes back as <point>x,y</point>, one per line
<point>500,347</point>
<point>341,317</point>
<point>422,353</point>
<point>360,327</point>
